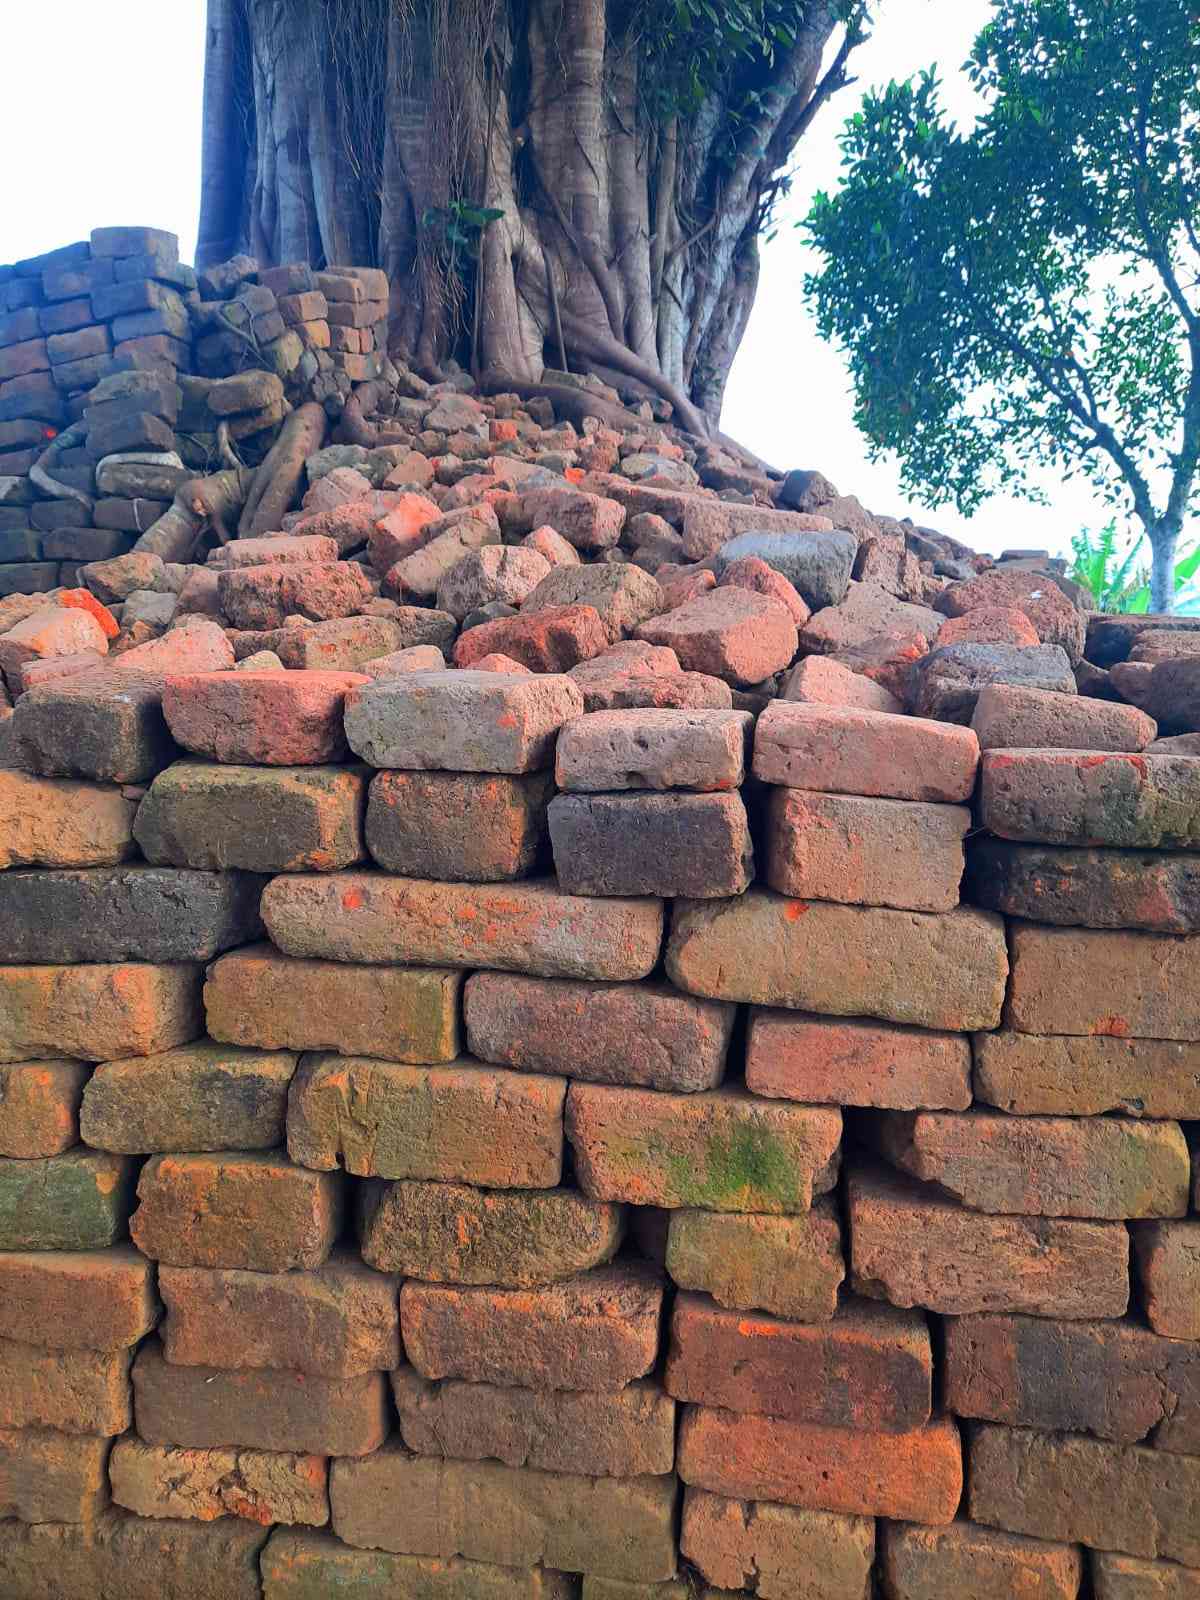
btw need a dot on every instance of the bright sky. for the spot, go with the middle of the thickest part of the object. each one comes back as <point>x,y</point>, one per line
<point>112,136</point>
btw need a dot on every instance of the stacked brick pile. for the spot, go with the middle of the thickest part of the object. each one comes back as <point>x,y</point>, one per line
<point>465,1134</point>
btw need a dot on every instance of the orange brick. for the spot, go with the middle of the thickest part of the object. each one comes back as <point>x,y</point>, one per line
<point>1084,981</point>
<point>1168,1268</point>
<point>966,1562</point>
<point>77,1391</point>
<point>777,1552</point>
<point>47,1476</point>
<point>77,1299</point>
<point>842,750</point>
<point>850,1062</point>
<point>154,1480</point>
<point>39,1107</point>
<point>101,1012</point>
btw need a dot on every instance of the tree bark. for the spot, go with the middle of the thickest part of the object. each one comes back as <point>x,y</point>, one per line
<point>1164,536</point>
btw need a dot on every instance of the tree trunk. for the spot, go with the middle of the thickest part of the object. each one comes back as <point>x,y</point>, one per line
<point>1164,535</point>
<point>629,209</point>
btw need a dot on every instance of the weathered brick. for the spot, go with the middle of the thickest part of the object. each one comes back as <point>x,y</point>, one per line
<point>729,633</point>
<point>39,1107</point>
<point>538,1025</point>
<point>1085,1491</point>
<point>405,1014</point>
<point>76,1391</point>
<point>524,927</point>
<point>97,1012</point>
<point>449,1233</point>
<point>626,1434</point>
<point>155,1480</point>
<point>77,1299</point>
<point>621,1528</point>
<point>276,719</point>
<point>647,749</point>
<point>1126,1578</point>
<point>912,1245</point>
<point>299,1565</point>
<point>262,819</point>
<point>777,1552</point>
<point>463,826</point>
<point>651,844</point>
<point>1011,718</point>
<point>1168,1269</point>
<point>46,822</point>
<point>1112,1379</point>
<point>549,641</point>
<point>76,1201</point>
<point>914,1477</point>
<point>791,1266</point>
<point>264,597</point>
<point>594,1332</point>
<point>629,1589</point>
<point>871,1366</point>
<point>1157,891</point>
<point>250,1210</point>
<point>945,970</point>
<point>106,726</point>
<point>966,1562</point>
<point>1046,1075</point>
<point>1125,985</point>
<point>47,1476</point>
<point>820,1060</point>
<point>204,1408</point>
<point>1143,802</point>
<point>840,750</point>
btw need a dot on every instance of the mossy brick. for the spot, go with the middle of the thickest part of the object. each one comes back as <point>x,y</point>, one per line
<point>1117,1577</point>
<point>1049,1075</point>
<point>1123,985</point>
<point>482,1510</point>
<point>626,1434</point>
<point>651,844</point>
<point>1086,1491</point>
<point>722,1150</point>
<point>943,970</point>
<point>274,719</point>
<point>253,1210</point>
<point>1115,1380</point>
<point>582,1030</point>
<point>843,750</point>
<point>870,1367</point>
<point>464,1123</point>
<point>75,1391</point>
<point>77,1299</point>
<point>790,1266</point>
<point>1167,1255</point>
<point>595,1332</point>
<point>97,1012</point>
<point>911,1244</point>
<point>466,827</point>
<point>1106,1167</point>
<point>852,1062</point>
<point>126,913</point>
<point>261,819</point>
<point>1134,801</point>
<point>1156,891</point>
<point>76,1201</point>
<point>48,1476</point>
<point>452,1233</point>
<point>402,1014</point>
<point>39,1107</point>
<point>213,1408</point>
<point>105,725</point>
<point>776,1552</point>
<point>199,1097</point>
<point>967,1562</point>
<point>301,1565</point>
<point>56,822</point>
<point>263,1486</point>
<point>908,1477</point>
<point>518,927</point>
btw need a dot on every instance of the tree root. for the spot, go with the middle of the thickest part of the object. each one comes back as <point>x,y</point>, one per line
<point>278,478</point>
<point>39,472</point>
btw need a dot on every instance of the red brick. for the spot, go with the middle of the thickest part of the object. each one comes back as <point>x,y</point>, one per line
<point>97,1012</point>
<point>47,1476</point>
<point>722,1150</point>
<point>589,522</point>
<point>966,1562</point>
<point>822,1060</point>
<point>283,549</point>
<point>553,640</point>
<point>1168,1269</point>
<point>622,595</point>
<point>463,826</point>
<point>844,751</point>
<point>77,1299</point>
<point>39,1107</point>
<point>777,1552</point>
<point>1124,985</point>
<point>822,681</point>
<point>1046,1075</point>
<point>791,1266</point>
<point>298,1565</point>
<point>261,1486</point>
<point>53,631</point>
<point>886,658</point>
<point>758,576</point>
<point>76,1391</point>
<point>1056,618</point>
<point>915,1477</point>
<point>729,633</point>
<point>275,719</point>
<point>870,1367</point>
<point>1010,718</point>
<point>263,597</point>
<point>696,845</point>
<point>594,1332</point>
<point>989,625</point>
<point>1134,801</point>
<point>1126,1578</point>
<point>647,749</point>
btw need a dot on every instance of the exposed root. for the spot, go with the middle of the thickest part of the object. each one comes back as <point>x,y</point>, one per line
<point>39,473</point>
<point>277,480</point>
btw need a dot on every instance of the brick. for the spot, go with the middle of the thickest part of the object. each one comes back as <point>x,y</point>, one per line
<point>265,596</point>
<point>822,681</point>
<point>947,683</point>
<point>1123,985</point>
<point>299,1565</point>
<point>819,1060</point>
<point>77,1201</point>
<point>1156,891</point>
<point>967,1562</point>
<point>274,550</point>
<point>349,643</point>
<point>621,1528</point>
<point>107,726</point>
<point>20,360</point>
<point>119,1557</point>
<point>538,1025</point>
<point>261,718</point>
<point>1047,1075</point>
<point>870,1367</point>
<point>589,522</point>
<point>75,1391</point>
<point>39,1107</point>
<point>1085,1491</point>
<point>258,1485</point>
<point>914,1476</point>
<point>658,844</point>
<point>1115,1380</point>
<point>943,970</point>
<point>463,826</point>
<point>1011,718</point>
<point>202,1096</point>
<point>1110,1167</point>
<point>722,1150</point>
<point>204,1408</point>
<point>550,641</point>
<point>837,750</point>
<point>729,633</point>
<point>97,1012</point>
<point>53,631</point>
<point>47,1476</point>
<point>1168,1270</point>
<point>450,1233</point>
<point>233,1210</point>
<point>336,1321</point>
<point>628,1589</point>
<point>791,1266</point>
<point>1086,798</point>
<point>648,749</point>
<point>77,1299</point>
<point>461,721</point>
<point>861,851</point>
<point>626,1434</point>
<point>777,1552</point>
<point>523,927</point>
<point>913,1246</point>
<point>415,578</point>
<point>626,689</point>
<point>1126,1578</point>
<point>497,572</point>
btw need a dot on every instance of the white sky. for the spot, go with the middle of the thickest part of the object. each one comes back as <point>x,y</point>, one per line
<point>111,136</point>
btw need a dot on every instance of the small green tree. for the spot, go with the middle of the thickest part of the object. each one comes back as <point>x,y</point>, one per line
<point>1028,295</point>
